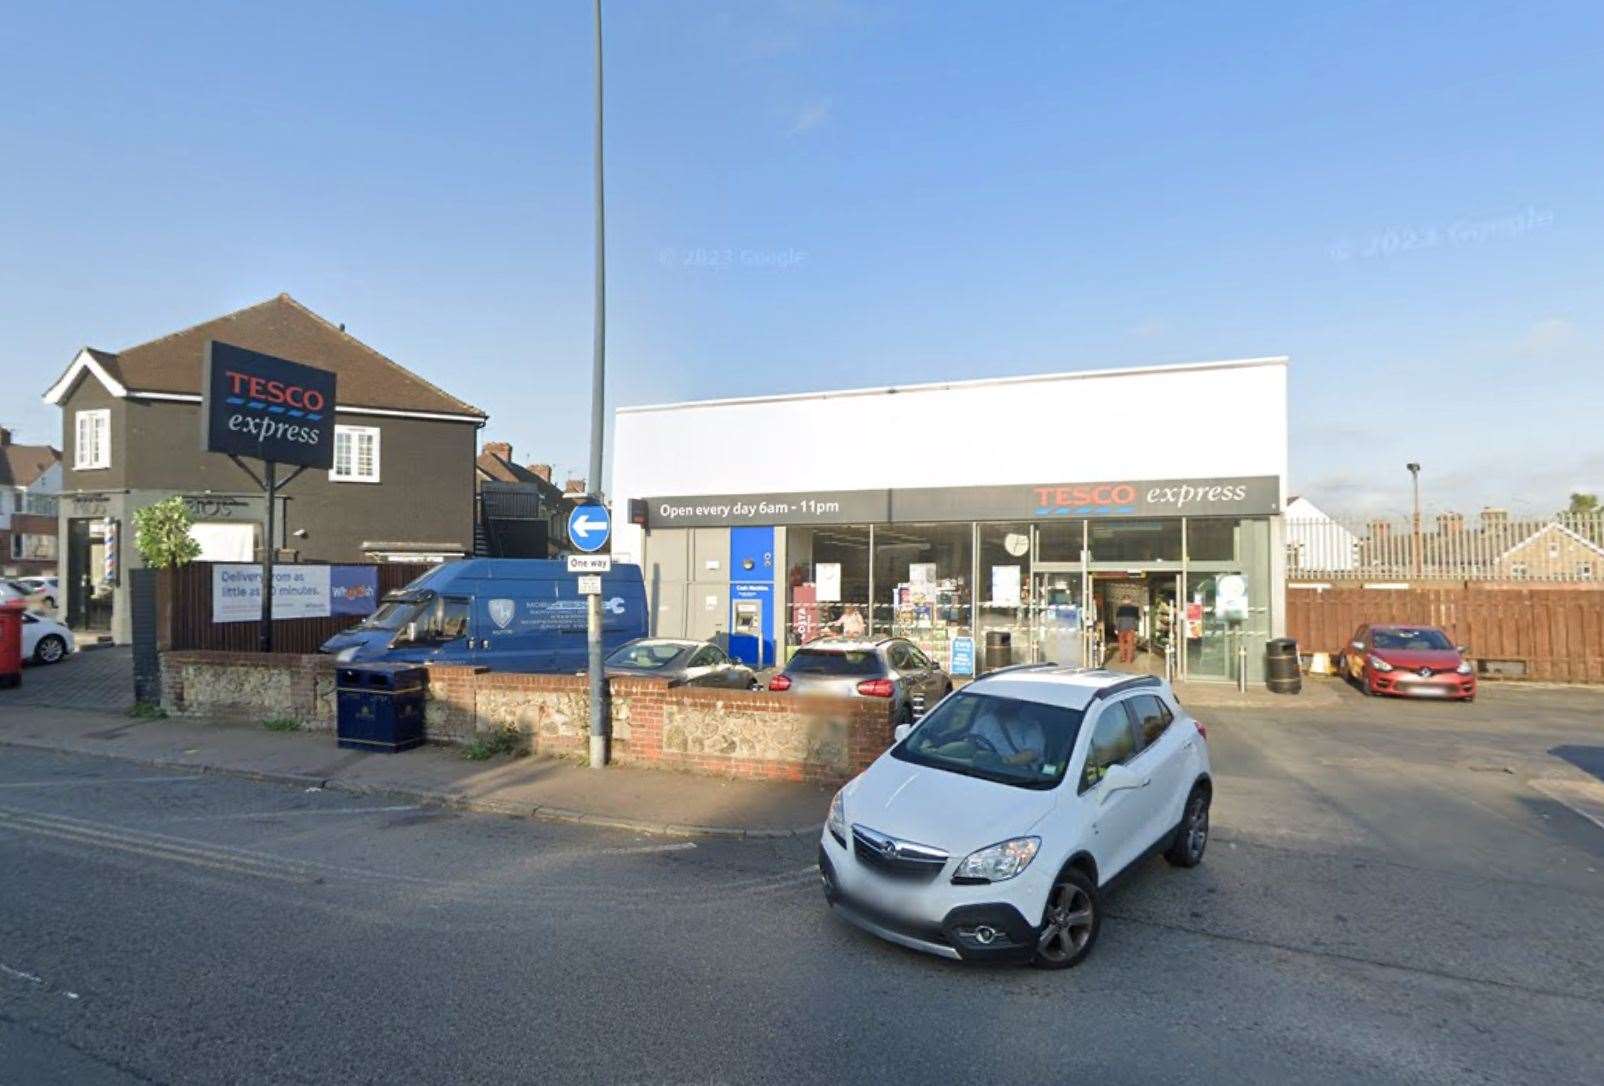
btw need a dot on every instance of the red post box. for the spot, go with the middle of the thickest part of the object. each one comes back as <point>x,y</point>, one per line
<point>11,642</point>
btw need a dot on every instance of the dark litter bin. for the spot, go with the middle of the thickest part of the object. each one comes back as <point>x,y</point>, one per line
<point>999,649</point>
<point>1282,675</point>
<point>380,706</point>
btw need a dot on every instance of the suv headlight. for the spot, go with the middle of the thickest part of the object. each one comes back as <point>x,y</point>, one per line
<point>836,820</point>
<point>999,862</point>
<point>1379,664</point>
<point>1464,667</point>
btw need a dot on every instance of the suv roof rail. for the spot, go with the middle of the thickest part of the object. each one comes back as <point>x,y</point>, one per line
<point>1015,667</point>
<point>1123,685</point>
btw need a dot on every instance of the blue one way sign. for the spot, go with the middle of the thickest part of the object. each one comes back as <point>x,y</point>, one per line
<point>589,527</point>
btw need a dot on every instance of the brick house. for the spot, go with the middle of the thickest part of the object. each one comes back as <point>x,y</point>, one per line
<point>1552,553</point>
<point>521,513</point>
<point>30,475</point>
<point>401,488</point>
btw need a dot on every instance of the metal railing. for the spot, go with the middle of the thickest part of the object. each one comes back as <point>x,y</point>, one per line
<point>1491,547</point>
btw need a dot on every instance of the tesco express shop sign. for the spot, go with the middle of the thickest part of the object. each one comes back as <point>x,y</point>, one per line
<point>266,407</point>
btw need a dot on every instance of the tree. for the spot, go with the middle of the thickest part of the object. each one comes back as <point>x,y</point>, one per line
<point>161,534</point>
<point>1586,517</point>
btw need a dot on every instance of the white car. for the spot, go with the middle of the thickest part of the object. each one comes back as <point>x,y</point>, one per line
<point>44,640</point>
<point>46,589</point>
<point>990,828</point>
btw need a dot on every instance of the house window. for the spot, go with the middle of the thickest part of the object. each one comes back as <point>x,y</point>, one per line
<point>92,440</point>
<point>356,454</point>
<point>1584,571</point>
<point>1518,569</point>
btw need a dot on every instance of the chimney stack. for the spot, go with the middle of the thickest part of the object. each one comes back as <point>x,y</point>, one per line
<point>1491,515</point>
<point>500,449</point>
<point>1450,523</point>
<point>542,470</point>
<point>574,486</point>
<point>1380,529</point>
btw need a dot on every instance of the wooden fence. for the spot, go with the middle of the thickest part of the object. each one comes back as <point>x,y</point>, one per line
<point>1556,632</point>
<point>184,613</point>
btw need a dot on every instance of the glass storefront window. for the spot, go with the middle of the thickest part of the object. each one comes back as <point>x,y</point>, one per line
<point>1060,540</point>
<point>827,583</point>
<point>1003,603</point>
<point>931,583</point>
<point>1134,541</point>
<point>1211,540</point>
<point>923,574</point>
<point>1228,602</point>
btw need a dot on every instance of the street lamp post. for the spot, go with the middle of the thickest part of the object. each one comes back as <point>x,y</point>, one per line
<point>1415,540</point>
<point>598,681</point>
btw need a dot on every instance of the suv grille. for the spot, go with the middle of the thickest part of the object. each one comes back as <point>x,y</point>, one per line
<point>896,859</point>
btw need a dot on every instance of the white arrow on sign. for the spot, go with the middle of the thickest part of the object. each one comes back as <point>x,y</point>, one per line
<point>583,525</point>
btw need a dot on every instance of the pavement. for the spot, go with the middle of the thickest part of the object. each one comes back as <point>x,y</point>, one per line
<point>1389,896</point>
<point>648,801</point>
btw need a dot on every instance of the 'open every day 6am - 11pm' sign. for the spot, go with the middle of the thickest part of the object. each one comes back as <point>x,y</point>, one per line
<point>298,592</point>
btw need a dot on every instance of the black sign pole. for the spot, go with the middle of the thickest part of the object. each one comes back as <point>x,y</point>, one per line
<point>264,640</point>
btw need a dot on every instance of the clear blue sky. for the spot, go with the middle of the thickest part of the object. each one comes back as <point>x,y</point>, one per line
<point>1409,201</point>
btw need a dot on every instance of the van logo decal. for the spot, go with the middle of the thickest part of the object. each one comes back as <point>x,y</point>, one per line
<point>615,605</point>
<point>501,612</point>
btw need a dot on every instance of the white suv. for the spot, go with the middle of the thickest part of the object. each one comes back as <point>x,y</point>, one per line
<point>988,830</point>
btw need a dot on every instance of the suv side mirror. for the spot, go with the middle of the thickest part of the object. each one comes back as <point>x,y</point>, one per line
<point>902,731</point>
<point>1118,778</point>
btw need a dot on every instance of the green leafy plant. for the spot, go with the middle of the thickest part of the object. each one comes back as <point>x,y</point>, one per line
<point>145,710</point>
<point>487,744</point>
<point>282,724</point>
<point>161,534</point>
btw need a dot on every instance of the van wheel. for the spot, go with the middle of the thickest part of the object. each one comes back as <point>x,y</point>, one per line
<point>1070,926</point>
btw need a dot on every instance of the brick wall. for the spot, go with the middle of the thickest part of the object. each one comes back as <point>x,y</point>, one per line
<point>250,686</point>
<point>729,733</point>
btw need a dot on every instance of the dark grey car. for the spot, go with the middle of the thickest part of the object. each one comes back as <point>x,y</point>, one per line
<point>682,663</point>
<point>893,669</point>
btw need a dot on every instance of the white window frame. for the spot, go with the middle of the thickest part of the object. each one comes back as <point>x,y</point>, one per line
<point>95,455</point>
<point>354,434</point>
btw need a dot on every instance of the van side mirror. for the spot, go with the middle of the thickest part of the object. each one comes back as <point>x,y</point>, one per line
<point>902,731</point>
<point>1464,650</point>
<point>1360,645</point>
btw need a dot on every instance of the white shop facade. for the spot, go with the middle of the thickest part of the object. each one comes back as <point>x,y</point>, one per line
<point>1021,510</point>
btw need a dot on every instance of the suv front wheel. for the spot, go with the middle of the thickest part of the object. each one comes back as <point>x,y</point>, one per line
<point>1070,927</point>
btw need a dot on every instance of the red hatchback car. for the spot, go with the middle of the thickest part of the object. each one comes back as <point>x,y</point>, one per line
<point>1413,661</point>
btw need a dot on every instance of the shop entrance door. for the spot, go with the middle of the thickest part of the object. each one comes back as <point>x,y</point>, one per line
<point>89,601</point>
<point>1060,628</point>
<point>1147,599</point>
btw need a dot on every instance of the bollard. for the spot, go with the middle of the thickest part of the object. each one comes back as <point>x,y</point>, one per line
<point>1242,666</point>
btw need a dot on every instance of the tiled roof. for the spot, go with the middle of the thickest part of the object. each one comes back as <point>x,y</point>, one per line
<point>21,465</point>
<point>284,327</point>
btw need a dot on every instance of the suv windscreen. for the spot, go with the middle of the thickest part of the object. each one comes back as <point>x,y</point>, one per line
<point>646,655</point>
<point>1023,743</point>
<point>843,663</point>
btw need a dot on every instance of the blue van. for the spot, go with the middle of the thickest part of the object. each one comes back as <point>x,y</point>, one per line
<point>507,614</point>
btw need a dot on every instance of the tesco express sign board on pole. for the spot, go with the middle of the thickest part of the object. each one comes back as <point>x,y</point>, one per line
<point>265,407</point>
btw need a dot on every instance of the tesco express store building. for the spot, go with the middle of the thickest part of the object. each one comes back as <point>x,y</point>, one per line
<point>1021,513</point>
